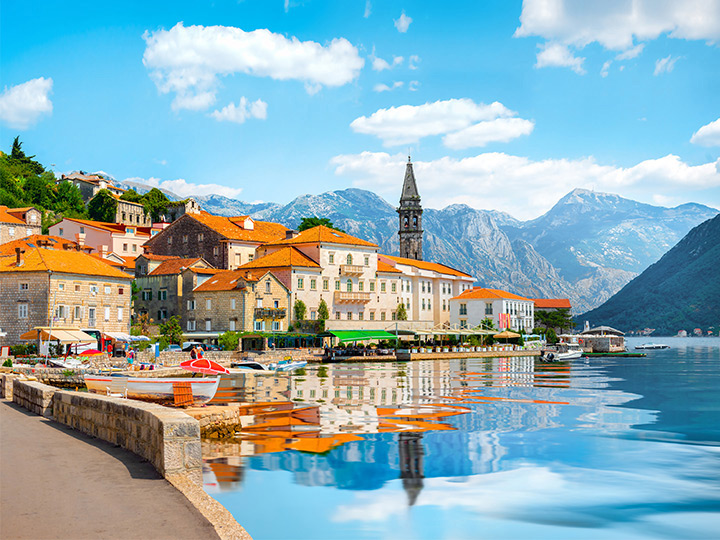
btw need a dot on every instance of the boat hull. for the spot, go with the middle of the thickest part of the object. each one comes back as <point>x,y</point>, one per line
<point>154,390</point>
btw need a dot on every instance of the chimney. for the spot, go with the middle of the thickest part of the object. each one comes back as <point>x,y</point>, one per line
<point>19,256</point>
<point>290,233</point>
<point>80,239</point>
<point>103,251</point>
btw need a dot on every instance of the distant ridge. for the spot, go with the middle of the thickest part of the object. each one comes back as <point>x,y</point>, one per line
<point>679,292</point>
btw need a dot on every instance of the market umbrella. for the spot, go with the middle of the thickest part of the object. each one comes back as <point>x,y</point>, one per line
<point>90,352</point>
<point>506,334</point>
<point>203,365</point>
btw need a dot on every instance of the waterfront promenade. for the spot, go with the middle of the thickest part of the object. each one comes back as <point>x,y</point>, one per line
<point>59,483</point>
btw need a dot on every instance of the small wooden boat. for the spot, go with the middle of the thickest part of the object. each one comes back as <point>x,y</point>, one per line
<point>167,391</point>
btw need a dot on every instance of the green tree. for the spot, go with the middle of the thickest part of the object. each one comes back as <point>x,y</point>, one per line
<point>171,330</point>
<point>24,166</point>
<point>310,222</point>
<point>299,310</point>
<point>401,313</point>
<point>132,196</point>
<point>487,324</point>
<point>229,340</point>
<point>102,207</point>
<point>551,336</point>
<point>69,200</point>
<point>155,203</point>
<point>40,191</point>
<point>323,312</point>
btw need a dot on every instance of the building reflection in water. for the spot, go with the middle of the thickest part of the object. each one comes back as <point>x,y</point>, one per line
<point>335,425</point>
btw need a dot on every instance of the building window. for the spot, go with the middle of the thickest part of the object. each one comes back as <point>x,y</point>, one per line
<point>331,258</point>
<point>372,315</point>
<point>394,315</point>
<point>147,294</point>
<point>337,284</point>
<point>313,315</point>
<point>259,326</point>
<point>444,306</point>
<point>337,315</point>
<point>24,286</point>
<point>191,305</point>
<point>232,325</point>
<point>22,311</point>
<point>216,251</point>
<point>348,285</point>
<point>372,286</point>
<point>208,325</point>
<point>423,286</point>
<point>463,323</point>
<point>382,286</point>
<point>393,287</point>
<point>91,316</point>
<point>429,304</point>
<point>232,303</point>
<point>423,303</point>
<point>134,248</point>
<point>169,240</point>
<point>268,286</point>
<point>259,302</point>
<point>488,308</point>
<point>121,291</point>
<point>361,286</point>
<point>106,289</point>
<point>349,316</point>
<point>361,316</point>
<point>191,325</point>
<point>313,284</point>
<point>82,230</point>
<point>124,247</point>
<point>162,294</point>
<point>78,313</point>
<point>201,237</point>
<point>208,304</point>
<point>463,309</point>
<point>276,304</point>
<point>349,258</point>
<point>367,260</point>
<point>120,314</point>
<point>106,313</point>
<point>77,288</point>
<point>382,315</point>
<point>276,326</point>
<point>185,238</point>
<point>301,283</point>
<point>60,312</point>
<point>326,284</point>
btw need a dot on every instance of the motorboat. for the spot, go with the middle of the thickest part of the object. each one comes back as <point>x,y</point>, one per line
<point>282,365</point>
<point>166,390</point>
<point>652,346</point>
<point>569,352</point>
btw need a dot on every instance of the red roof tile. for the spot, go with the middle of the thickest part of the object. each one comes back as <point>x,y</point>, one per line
<point>386,268</point>
<point>228,280</point>
<point>480,293</point>
<point>67,262</point>
<point>325,235</point>
<point>229,227</point>
<point>552,303</point>
<point>174,266</point>
<point>30,242</point>
<point>7,217</point>
<point>282,258</point>
<point>424,265</point>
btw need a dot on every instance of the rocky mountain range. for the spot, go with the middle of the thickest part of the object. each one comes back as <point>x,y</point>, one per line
<point>586,248</point>
<point>679,292</point>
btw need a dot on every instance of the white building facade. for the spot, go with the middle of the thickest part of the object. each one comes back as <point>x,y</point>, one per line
<point>505,309</point>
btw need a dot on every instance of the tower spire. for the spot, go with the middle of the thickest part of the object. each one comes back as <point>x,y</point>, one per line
<point>410,213</point>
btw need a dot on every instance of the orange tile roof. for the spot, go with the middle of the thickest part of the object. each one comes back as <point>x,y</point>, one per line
<point>227,280</point>
<point>282,258</point>
<point>30,242</point>
<point>481,293</point>
<point>153,257</point>
<point>66,262</point>
<point>111,227</point>
<point>552,303</point>
<point>129,262</point>
<point>173,266</point>
<point>264,231</point>
<point>424,265</point>
<point>7,217</point>
<point>325,235</point>
<point>386,268</point>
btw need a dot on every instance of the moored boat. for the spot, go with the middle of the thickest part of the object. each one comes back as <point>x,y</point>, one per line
<point>167,391</point>
<point>652,346</point>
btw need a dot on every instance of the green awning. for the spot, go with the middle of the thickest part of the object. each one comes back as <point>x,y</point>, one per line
<point>361,335</point>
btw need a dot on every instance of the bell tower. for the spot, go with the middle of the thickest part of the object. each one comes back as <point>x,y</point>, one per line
<point>410,213</point>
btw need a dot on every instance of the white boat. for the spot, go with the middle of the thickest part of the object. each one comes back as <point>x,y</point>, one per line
<point>68,363</point>
<point>652,346</point>
<point>572,352</point>
<point>157,390</point>
<point>282,365</point>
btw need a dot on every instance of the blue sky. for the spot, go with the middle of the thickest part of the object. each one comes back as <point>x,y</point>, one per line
<point>503,105</point>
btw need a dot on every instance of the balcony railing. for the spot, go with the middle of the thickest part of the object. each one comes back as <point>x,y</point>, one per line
<point>352,297</point>
<point>351,270</point>
<point>269,313</point>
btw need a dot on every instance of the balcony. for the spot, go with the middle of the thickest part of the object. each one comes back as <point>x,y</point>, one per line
<point>269,313</point>
<point>351,270</point>
<point>352,297</point>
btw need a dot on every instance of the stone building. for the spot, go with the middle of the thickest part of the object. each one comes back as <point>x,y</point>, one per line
<point>177,209</point>
<point>224,242</point>
<point>43,286</point>
<point>505,309</point>
<point>132,213</point>
<point>164,290</point>
<point>239,300</point>
<point>90,184</point>
<point>410,214</point>
<point>16,223</point>
<point>147,262</point>
<point>105,238</point>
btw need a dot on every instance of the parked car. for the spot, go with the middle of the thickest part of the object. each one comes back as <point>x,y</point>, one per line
<point>173,348</point>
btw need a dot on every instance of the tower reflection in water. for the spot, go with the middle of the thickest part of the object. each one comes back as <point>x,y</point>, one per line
<point>353,425</point>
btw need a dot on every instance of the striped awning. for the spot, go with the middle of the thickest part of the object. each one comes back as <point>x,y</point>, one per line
<point>63,335</point>
<point>360,335</point>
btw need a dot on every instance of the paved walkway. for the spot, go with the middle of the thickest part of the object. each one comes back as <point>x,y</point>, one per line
<point>58,483</point>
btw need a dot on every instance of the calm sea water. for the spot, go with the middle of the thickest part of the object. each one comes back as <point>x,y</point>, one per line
<point>488,448</point>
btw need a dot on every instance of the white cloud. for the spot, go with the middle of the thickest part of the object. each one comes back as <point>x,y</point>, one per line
<point>605,69</point>
<point>708,135</point>
<point>287,6</point>
<point>498,130</point>
<point>385,88</point>
<point>616,26</point>
<point>409,123</point>
<point>664,65</point>
<point>558,55</point>
<point>187,61</point>
<point>379,64</point>
<point>241,112</point>
<point>403,23</point>
<point>186,189</point>
<point>527,188</point>
<point>413,86</point>
<point>631,53</point>
<point>413,61</point>
<point>368,9</point>
<point>22,105</point>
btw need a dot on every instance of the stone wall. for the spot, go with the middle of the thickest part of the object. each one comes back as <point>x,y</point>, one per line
<point>167,438</point>
<point>6,385</point>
